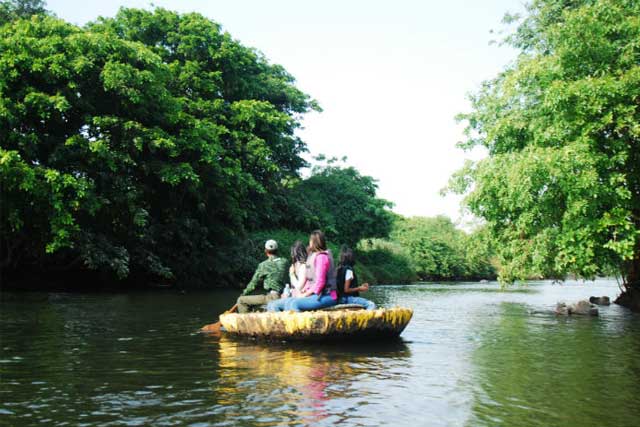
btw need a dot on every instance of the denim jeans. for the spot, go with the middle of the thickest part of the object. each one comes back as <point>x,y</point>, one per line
<point>310,303</point>
<point>281,304</point>
<point>369,305</point>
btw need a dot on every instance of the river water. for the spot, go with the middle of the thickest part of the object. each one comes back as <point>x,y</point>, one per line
<point>473,355</point>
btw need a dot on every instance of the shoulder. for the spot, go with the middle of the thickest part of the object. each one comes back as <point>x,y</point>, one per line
<point>276,260</point>
<point>322,256</point>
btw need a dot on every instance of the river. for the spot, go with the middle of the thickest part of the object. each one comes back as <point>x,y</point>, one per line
<point>473,355</point>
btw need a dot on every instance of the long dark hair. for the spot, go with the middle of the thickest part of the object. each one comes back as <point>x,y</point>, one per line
<point>346,256</point>
<point>317,241</point>
<point>298,252</point>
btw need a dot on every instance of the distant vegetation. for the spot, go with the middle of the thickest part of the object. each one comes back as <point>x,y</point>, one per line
<point>153,147</point>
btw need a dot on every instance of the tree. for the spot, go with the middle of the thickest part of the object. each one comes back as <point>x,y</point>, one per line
<point>139,146</point>
<point>342,202</point>
<point>560,189</point>
<point>11,10</point>
<point>438,250</point>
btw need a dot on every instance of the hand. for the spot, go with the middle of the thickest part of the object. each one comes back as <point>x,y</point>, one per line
<point>364,287</point>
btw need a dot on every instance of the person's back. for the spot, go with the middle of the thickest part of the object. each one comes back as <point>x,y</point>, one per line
<point>347,282</point>
<point>297,277</point>
<point>274,273</point>
<point>319,291</point>
<point>270,274</point>
<point>345,273</point>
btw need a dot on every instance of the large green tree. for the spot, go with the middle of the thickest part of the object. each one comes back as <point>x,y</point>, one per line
<point>341,201</point>
<point>440,251</point>
<point>560,188</point>
<point>18,9</point>
<point>141,144</point>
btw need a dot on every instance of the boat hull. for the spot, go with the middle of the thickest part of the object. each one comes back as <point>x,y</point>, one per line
<point>319,325</point>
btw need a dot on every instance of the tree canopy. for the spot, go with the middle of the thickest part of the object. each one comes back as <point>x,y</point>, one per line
<point>342,202</point>
<point>439,251</point>
<point>11,10</point>
<point>139,143</point>
<point>560,189</point>
<point>150,144</point>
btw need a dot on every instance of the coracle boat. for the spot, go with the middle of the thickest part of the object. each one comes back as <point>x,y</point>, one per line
<point>342,322</point>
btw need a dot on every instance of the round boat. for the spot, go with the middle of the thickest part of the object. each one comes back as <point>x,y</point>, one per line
<point>324,325</point>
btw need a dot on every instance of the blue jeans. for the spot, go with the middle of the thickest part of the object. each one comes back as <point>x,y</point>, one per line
<point>281,304</point>
<point>369,305</point>
<point>310,303</point>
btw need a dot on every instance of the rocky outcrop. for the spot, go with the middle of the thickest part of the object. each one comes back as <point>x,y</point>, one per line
<point>604,300</point>
<point>582,307</point>
<point>319,325</point>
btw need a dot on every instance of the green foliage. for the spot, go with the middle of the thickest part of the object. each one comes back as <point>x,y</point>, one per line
<point>342,202</point>
<point>153,145</point>
<point>383,261</point>
<point>11,10</point>
<point>438,250</point>
<point>140,143</point>
<point>560,189</point>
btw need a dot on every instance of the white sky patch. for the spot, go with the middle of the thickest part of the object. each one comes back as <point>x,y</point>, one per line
<point>390,77</point>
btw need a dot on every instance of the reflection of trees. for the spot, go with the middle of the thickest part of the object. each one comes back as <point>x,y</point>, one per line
<point>294,383</point>
<point>547,371</point>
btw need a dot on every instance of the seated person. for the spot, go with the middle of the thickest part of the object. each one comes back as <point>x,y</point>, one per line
<point>320,288</point>
<point>270,274</point>
<point>347,282</point>
<point>297,276</point>
<point>298,269</point>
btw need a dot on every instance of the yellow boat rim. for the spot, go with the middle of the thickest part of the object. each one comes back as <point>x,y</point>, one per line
<point>319,325</point>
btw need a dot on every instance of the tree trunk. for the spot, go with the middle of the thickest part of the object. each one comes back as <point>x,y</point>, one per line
<point>630,298</point>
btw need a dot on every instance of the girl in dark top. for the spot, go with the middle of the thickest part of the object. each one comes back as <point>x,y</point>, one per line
<point>347,282</point>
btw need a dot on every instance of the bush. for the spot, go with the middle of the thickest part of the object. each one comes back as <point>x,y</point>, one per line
<point>384,262</point>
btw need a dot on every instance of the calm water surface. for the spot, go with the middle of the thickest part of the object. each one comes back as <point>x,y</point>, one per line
<point>472,355</point>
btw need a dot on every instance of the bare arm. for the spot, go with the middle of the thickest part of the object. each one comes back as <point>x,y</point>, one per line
<point>349,290</point>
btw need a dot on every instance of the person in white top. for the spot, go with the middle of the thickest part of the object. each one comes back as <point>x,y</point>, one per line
<point>298,269</point>
<point>297,277</point>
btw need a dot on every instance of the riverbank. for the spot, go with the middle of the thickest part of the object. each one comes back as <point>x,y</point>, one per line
<point>630,299</point>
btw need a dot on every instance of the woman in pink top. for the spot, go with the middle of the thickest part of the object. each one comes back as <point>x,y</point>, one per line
<point>320,289</point>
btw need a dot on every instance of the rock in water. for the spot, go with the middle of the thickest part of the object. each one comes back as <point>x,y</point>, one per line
<point>561,309</point>
<point>583,307</point>
<point>604,300</point>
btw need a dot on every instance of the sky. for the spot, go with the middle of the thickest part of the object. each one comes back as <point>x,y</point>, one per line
<point>390,77</point>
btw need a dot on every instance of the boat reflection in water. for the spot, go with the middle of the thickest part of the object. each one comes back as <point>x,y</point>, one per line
<point>283,384</point>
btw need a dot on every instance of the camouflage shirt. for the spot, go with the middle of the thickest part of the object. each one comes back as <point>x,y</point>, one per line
<point>271,273</point>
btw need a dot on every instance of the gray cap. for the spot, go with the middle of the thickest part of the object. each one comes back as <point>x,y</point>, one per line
<point>271,245</point>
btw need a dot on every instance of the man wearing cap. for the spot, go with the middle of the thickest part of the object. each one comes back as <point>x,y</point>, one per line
<point>271,274</point>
